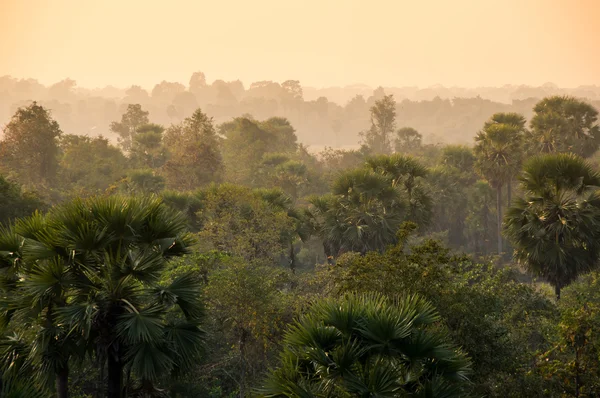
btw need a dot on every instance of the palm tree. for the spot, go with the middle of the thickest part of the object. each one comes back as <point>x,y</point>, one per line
<point>362,213</point>
<point>407,173</point>
<point>368,346</point>
<point>555,226</point>
<point>517,121</point>
<point>497,152</point>
<point>99,263</point>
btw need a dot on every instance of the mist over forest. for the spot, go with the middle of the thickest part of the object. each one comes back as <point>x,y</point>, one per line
<point>203,200</point>
<point>331,116</point>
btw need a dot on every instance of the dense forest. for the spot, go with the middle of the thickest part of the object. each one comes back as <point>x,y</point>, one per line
<point>321,117</point>
<point>187,243</point>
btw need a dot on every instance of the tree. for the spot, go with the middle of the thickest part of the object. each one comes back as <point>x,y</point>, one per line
<point>383,123</point>
<point>248,140</point>
<point>408,173</point>
<point>517,121</point>
<point>97,264</point>
<point>30,145</point>
<point>147,149</point>
<point>368,345</point>
<point>16,202</point>
<point>362,213</point>
<point>237,220</point>
<point>408,140</point>
<point>249,302</point>
<point>563,124</point>
<point>88,165</point>
<point>133,118</point>
<point>555,226</point>
<point>195,153</point>
<point>497,151</point>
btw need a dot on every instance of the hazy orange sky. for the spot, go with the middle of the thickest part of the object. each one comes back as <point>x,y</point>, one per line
<point>319,42</point>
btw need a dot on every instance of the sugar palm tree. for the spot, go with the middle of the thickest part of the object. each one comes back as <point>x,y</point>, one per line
<point>101,261</point>
<point>407,173</point>
<point>555,226</point>
<point>517,121</point>
<point>368,346</point>
<point>497,152</point>
<point>362,213</point>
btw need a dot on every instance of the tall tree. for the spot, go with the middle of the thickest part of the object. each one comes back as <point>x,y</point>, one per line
<point>195,153</point>
<point>517,121</point>
<point>133,118</point>
<point>383,124</point>
<point>30,145</point>
<point>98,265</point>
<point>564,124</point>
<point>555,226</point>
<point>497,150</point>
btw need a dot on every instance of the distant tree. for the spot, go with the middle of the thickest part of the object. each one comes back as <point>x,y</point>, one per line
<point>459,157</point>
<point>406,173</point>
<point>197,82</point>
<point>194,153</point>
<point>30,145</point>
<point>383,123</point>
<point>147,149</point>
<point>248,140</point>
<point>166,91</point>
<point>63,90</point>
<point>133,118</point>
<point>293,89</point>
<point>408,140</point>
<point>368,346</point>
<point>517,121</point>
<point>563,124</point>
<point>89,165</point>
<point>555,226</point>
<point>497,150</point>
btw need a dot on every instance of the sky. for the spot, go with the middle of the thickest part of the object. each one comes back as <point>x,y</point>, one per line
<point>322,43</point>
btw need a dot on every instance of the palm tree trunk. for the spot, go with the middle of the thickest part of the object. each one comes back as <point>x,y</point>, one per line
<point>115,376</point>
<point>557,292</point>
<point>499,216</point>
<point>292,257</point>
<point>62,382</point>
<point>509,192</point>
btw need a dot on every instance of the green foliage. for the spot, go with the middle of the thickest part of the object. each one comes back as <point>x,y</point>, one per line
<point>368,345</point>
<point>239,221</point>
<point>563,124</point>
<point>29,148</point>
<point>16,202</point>
<point>554,227</point>
<point>90,272</point>
<point>195,156</point>
<point>89,166</point>
<point>131,120</point>
<point>498,321</point>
